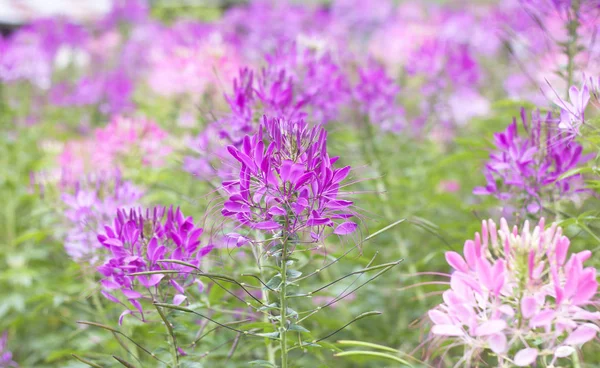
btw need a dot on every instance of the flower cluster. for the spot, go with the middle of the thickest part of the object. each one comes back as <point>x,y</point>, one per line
<point>157,241</point>
<point>295,84</point>
<point>377,95</point>
<point>527,168</point>
<point>519,295</point>
<point>287,182</point>
<point>93,204</point>
<point>6,356</point>
<point>122,137</point>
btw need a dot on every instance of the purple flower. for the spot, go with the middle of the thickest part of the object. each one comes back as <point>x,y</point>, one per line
<point>92,204</point>
<point>519,295</point>
<point>572,112</point>
<point>126,11</point>
<point>377,95</point>
<point>6,356</point>
<point>527,168</point>
<point>287,182</point>
<point>138,241</point>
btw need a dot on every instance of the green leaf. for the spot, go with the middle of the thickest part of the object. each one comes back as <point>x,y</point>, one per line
<point>298,328</point>
<point>271,335</point>
<point>293,274</point>
<point>275,282</point>
<point>373,354</point>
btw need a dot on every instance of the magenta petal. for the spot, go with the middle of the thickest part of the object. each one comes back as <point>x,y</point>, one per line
<point>266,225</point>
<point>109,284</point>
<point>345,228</point>
<point>131,294</point>
<point>205,250</point>
<point>526,357</point>
<point>582,334</point>
<point>125,312</point>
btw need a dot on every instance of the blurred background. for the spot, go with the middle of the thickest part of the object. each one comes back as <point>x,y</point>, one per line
<point>108,104</point>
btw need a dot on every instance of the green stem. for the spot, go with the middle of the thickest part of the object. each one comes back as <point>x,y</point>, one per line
<point>283,307</point>
<point>174,354</point>
<point>265,299</point>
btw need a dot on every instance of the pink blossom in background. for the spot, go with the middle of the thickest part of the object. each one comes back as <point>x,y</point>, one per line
<point>193,69</point>
<point>519,295</point>
<point>121,138</point>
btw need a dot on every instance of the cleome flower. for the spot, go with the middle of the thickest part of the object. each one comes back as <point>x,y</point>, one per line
<point>518,296</point>
<point>287,181</point>
<point>88,207</point>
<point>138,241</point>
<point>527,168</point>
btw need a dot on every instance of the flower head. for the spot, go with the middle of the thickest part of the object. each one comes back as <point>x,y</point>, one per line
<point>287,181</point>
<point>143,241</point>
<point>92,204</point>
<point>377,95</point>
<point>519,295</point>
<point>527,168</point>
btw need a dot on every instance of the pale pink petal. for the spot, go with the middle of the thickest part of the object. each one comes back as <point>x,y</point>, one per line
<point>528,306</point>
<point>582,334</point>
<point>439,318</point>
<point>563,351</point>
<point>543,318</point>
<point>447,330</point>
<point>526,357</point>
<point>497,343</point>
<point>490,327</point>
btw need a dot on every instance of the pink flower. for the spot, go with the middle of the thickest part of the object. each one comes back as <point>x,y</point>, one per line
<point>511,290</point>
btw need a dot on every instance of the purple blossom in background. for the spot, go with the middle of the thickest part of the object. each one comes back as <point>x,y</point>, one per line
<point>137,241</point>
<point>287,182</point>
<point>377,95</point>
<point>126,12</point>
<point>6,356</point>
<point>262,26</point>
<point>519,295</point>
<point>445,64</point>
<point>110,91</point>
<point>527,168</point>
<point>29,54</point>
<point>294,85</point>
<point>93,204</point>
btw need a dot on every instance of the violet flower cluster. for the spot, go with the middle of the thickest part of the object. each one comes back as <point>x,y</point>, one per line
<point>144,241</point>
<point>295,84</point>
<point>92,204</point>
<point>287,182</point>
<point>377,95</point>
<point>526,168</point>
<point>6,357</point>
<point>519,296</point>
